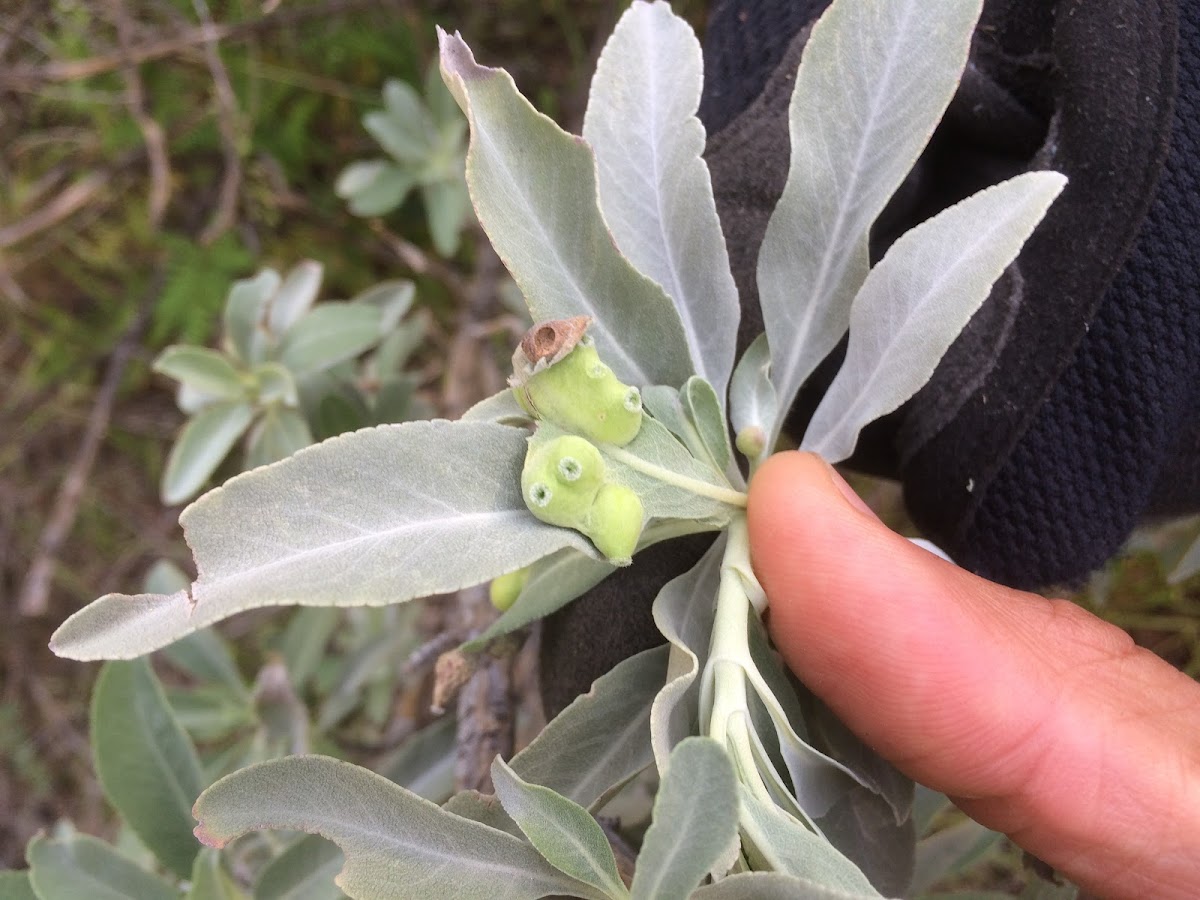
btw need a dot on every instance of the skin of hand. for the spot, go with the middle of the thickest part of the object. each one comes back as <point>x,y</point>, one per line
<point>1037,718</point>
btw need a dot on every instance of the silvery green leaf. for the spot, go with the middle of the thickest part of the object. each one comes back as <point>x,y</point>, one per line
<point>595,745</point>
<point>210,881</point>
<point>331,333</point>
<point>447,204</point>
<point>245,312</point>
<point>403,128</point>
<point>295,296</point>
<point>207,657</point>
<point>83,866</point>
<point>371,518</point>
<point>874,79</point>
<point>304,871</point>
<point>211,712</point>
<point>424,763</point>
<point>145,762</point>
<point>277,435</point>
<point>918,298</point>
<point>303,642</point>
<point>374,187</point>
<point>484,809</point>
<point>396,844</point>
<point>752,399</point>
<point>502,407</point>
<point>861,824</point>
<point>665,405</point>
<point>534,189</point>
<point>695,822</point>
<point>206,371</point>
<point>683,612</point>
<point>707,414</point>
<point>396,349</point>
<point>949,852</point>
<point>205,440</point>
<point>274,384</point>
<point>554,582</point>
<point>393,298</point>
<point>561,830</point>
<point>774,841</point>
<point>872,771</point>
<point>768,886</point>
<point>655,190</point>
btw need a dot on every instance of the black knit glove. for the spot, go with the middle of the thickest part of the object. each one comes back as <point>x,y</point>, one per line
<point>1069,408</point>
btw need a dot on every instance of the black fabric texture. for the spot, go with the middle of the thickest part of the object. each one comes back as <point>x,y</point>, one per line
<point>1103,450</point>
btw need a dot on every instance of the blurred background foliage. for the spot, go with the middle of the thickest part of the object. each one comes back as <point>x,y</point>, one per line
<point>152,153</point>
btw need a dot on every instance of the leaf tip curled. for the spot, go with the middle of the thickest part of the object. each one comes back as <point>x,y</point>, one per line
<point>457,58</point>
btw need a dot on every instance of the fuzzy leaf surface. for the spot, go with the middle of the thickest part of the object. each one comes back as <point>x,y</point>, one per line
<point>371,518</point>
<point>329,334</point>
<point>602,739</point>
<point>397,846</point>
<point>295,296</point>
<point>561,830</point>
<point>210,881</point>
<point>684,612</point>
<point>695,822</point>
<point>874,79</point>
<point>205,440</point>
<point>917,300</point>
<point>534,190</point>
<point>201,369</point>
<point>146,762</point>
<point>304,871</point>
<point>655,189</point>
<point>775,841</point>
<point>83,866</point>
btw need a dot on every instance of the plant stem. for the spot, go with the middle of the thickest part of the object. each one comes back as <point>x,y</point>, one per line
<point>694,485</point>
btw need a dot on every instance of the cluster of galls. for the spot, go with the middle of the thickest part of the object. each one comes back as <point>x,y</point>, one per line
<point>558,378</point>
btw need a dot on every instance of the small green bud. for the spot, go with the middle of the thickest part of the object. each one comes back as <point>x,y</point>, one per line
<point>614,522</point>
<point>751,441</point>
<point>505,590</point>
<point>560,480</point>
<point>559,377</point>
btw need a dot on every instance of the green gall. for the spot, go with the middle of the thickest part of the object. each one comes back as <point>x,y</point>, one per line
<point>751,441</point>
<point>559,377</point>
<point>505,590</point>
<point>560,480</point>
<point>614,522</point>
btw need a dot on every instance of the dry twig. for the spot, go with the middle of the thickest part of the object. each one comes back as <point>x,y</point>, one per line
<point>225,214</point>
<point>152,132</point>
<point>35,592</point>
<point>66,203</point>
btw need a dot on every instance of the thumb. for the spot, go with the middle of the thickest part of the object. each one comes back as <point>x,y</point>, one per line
<point>1041,720</point>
